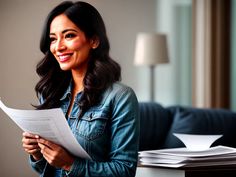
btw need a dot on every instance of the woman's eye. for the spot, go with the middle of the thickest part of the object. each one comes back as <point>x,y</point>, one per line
<point>52,39</point>
<point>70,35</point>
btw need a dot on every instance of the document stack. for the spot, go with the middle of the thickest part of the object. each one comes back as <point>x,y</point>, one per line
<point>183,157</point>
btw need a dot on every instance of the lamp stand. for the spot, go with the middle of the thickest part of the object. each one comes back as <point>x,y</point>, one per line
<point>152,83</point>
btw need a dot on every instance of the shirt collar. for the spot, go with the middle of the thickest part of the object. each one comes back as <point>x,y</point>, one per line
<point>67,92</point>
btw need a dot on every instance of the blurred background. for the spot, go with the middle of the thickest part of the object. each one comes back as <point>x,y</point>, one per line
<point>200,73</point>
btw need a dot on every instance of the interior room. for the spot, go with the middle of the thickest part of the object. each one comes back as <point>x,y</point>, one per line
<point>200,71</point>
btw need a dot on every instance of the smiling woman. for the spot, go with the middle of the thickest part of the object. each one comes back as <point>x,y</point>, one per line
<point>69,45</point>
<point>78,75</point>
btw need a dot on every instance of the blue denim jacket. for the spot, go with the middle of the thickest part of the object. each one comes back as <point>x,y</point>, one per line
<point>109,132</point>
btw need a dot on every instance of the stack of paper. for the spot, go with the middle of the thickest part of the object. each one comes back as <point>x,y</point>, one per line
<point>183,157</point>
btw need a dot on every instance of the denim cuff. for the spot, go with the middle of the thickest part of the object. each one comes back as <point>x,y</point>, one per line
<point>77,168</point>
<point>38,162</point>
<point>37,165</point>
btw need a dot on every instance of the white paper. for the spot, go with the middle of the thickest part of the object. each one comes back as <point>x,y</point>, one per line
<point>197,142</point>
<point>160,160</point>
<point>184,152</point>
<point>183,157</point>
<point>50,124</point>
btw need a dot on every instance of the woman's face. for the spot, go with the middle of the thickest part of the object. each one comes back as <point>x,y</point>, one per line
<point>69,44</point>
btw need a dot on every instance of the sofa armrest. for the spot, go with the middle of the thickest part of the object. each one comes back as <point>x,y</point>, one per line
<point>155,122</point>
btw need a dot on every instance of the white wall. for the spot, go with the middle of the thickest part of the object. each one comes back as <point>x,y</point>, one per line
<point>173,80</point>
<point>21,24</point>
<point>124,19</point>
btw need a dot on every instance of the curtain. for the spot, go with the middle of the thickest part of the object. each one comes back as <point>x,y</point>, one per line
<point>211,53</point>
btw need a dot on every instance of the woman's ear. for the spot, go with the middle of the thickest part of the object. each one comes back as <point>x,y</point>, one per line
<point>95,42</point>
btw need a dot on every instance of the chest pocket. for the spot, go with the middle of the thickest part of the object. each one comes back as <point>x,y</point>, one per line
<point>93,124</point>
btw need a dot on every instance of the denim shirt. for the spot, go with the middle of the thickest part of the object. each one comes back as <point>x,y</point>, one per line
<point>109,133</point>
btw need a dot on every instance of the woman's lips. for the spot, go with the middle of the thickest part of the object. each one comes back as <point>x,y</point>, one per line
<point>64,57</point>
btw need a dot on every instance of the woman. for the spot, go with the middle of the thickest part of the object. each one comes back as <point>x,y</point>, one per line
<point>78,75</point>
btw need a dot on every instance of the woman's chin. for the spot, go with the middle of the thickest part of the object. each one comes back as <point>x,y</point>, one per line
<point>65,68</point>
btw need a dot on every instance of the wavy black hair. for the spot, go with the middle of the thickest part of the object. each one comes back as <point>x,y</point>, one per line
<point>102,70</point>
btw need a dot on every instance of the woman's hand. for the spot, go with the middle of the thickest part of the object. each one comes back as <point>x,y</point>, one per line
<point>55,154</point>
<point>30,145</point>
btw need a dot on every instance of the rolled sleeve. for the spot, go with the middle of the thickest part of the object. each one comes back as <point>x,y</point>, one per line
<point>76,168</point>
<point>39,165</point>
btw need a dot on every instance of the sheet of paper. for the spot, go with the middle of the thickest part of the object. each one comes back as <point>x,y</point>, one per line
<point>197,142</point>
<point>50,124</point>
<point>160,160</point>
<point>184,152</point>
<point>183,157</point>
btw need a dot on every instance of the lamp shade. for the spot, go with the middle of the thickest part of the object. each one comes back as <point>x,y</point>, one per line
<point>151,49</point>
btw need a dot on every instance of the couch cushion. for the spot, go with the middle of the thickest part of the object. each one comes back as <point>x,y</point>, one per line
<point>202,121</point>
<point>155,122</point>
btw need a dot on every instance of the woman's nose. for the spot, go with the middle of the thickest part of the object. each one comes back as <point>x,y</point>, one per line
<point>60,45</point>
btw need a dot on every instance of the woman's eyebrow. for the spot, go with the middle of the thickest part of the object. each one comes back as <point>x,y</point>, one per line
<point>64,31</point>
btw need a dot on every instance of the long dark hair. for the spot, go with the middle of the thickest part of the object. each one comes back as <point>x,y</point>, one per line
<point>102,70</point>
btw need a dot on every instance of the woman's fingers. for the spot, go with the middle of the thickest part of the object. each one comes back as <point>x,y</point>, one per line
<point>29,135</point>
<point>32,151</point>
<point>30,145</point>
<point>47,143</point>
<point>47,147</point>
<point>29,141</point>
<point>55,154</point>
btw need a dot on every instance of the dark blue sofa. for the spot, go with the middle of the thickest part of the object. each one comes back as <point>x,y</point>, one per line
<point>158,124</point>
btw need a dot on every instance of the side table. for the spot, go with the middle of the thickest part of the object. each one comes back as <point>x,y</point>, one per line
<point>211,171</point>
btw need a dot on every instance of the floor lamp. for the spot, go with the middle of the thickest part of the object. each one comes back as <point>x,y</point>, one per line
<point>151,50</point>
